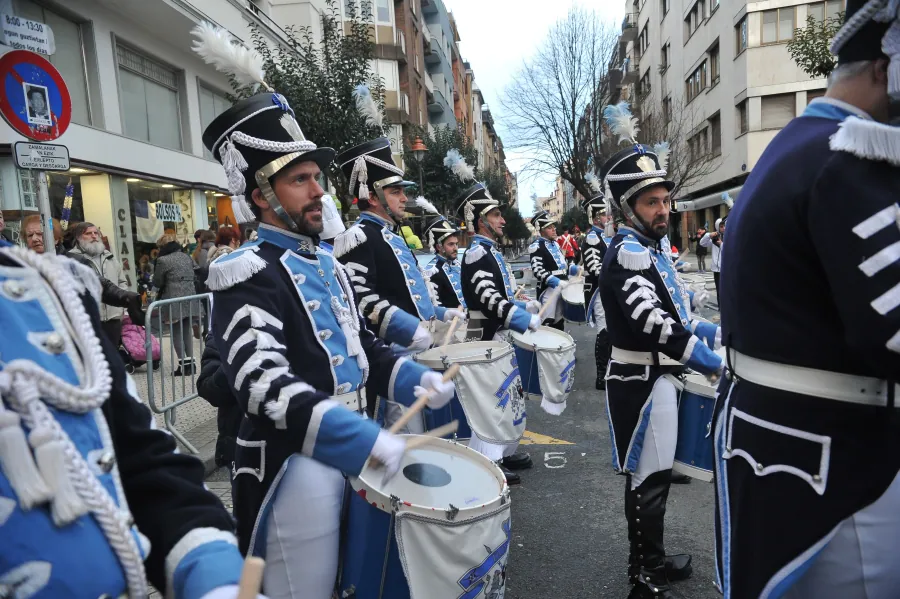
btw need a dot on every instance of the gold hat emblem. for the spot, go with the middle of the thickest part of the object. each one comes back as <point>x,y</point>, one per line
<point>645,163</point>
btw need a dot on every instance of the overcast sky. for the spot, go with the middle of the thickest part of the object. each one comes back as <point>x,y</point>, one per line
<point>496,36</point>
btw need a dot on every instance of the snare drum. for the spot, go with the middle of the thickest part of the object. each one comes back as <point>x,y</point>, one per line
<point>694,450</point>
<point>547,366</point>
<point>440,529</point>
<point>574,309</point>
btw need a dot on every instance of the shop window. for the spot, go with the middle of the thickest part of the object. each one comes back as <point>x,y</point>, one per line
<point>212,104</point>
<point>778,110</point>
<point>149,99</point>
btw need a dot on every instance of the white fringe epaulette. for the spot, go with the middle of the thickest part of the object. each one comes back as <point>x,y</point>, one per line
<point>430,271</point>
<point>475,253</point>
<point>228,270</point>
<point>867,139</point>
<point>533,247</point>
<point>348,240</point>
<point>592,238</point>
<point>632,255</point>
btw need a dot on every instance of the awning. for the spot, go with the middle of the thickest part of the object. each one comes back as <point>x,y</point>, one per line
<point>707,201</point>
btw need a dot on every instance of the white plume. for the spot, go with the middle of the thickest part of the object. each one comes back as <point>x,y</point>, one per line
<point>621,122</point>
<point>426,205</point>
<point>593,182</point>
<point>217,47</point>
<point>457,165</point>
<point>662,152</point>
<point>726,199</point>
<point>366,106</point>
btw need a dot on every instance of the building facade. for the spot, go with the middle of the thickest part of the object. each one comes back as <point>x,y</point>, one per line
<point>439,63</point>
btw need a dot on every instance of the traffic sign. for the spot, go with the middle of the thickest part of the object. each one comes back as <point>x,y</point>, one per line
<point>25,34</point>
<point>34,99</point>
<point>45,157</point>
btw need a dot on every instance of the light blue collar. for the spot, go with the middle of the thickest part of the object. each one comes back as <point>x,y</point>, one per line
<point>645,241</point>
<point>832,109</point>
<point>378,220</point>
<point>483,239</point>
<point>287,239</point>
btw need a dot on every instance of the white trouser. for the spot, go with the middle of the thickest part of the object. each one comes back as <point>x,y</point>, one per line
<point>599,314</point>
<point>860,561</point>
<point>303,534</point>
<point>658,451</point>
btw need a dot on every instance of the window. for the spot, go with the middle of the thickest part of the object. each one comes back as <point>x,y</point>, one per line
<point>743,118</point>
<point>697,146</point>
<point>664,58</point>
<point>696,82</point>
<point>778,25</point>
<point>777,110</point>
<point>664,6</point>
<point>715,134</point>
<point>740,36</point>
<point>813,94</point>
<point>695,18</point>
<point>148,99</point>
<point>667,109</point>
<point>644,84</point>
<point>714,63</point>
<point>382,11</point>
<point>829,9</point>
<point>212,104</point>
<point>643,41</point>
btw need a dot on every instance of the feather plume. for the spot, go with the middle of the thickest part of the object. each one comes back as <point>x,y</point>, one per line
<point>621,122</point>
<point>593,182</point>
<point>726,199</point>
<point>366,106</point>
<point>421,202</point>
<point>216,47</point>
<point>662,153</point>
<point>457,165</point>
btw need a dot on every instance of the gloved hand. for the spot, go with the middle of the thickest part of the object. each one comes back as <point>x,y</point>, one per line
<point>449,315</point>
<point>574,270</point>
<point>439,392</point>
<point>135,309</point>
<point>553,282</point>
<point>229,591</point>
<point>535,322</point>
<point>533,306</point>
<point>421,339</point>
<point>388,450</point>
<point>701,296</point>
<point>715,376</point>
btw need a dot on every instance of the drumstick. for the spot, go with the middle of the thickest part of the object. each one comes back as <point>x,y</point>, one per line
<point>421,402</point>
<point>424,438</point>
<point>452,328</point>
<point>251,578</point>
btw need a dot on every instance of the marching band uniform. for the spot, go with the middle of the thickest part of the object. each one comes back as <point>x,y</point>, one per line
<point>444,274</point>
<point>807,428</point>
<point>648,312</point>
<point>594,250</point>
<point>93,500</point>
<point>549,267</point>
<point>297,353</point>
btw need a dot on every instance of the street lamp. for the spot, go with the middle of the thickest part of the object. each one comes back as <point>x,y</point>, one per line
<point>419,150</point>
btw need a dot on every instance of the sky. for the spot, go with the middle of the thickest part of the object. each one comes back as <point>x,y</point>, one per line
<point>495,37</point>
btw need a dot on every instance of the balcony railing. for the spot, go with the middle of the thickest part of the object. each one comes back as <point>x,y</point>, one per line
<point>404,102</point>
<point>429,84</point>
<point>401,40</point>
<point>629,28</point>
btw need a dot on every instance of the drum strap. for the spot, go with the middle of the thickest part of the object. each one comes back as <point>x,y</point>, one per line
<point>644,358</point>
<point>811,381</point>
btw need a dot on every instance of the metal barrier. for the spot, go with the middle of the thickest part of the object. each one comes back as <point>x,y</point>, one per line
<point>179,319</point>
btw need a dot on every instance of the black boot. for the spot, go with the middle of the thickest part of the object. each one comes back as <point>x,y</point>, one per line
<point>517,461</point>
<point>511,477</point>
<point>634,568</point>
<point>602,350</point>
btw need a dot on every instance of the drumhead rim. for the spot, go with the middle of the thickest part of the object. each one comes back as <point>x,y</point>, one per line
<point>501,350</point>
<point>518,340</point>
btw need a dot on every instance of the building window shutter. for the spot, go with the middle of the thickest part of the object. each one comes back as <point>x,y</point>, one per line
<point>777,110</point>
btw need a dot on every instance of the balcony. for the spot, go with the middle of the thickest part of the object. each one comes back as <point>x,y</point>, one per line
<point>429,85</point>
<point>395,51</point>
<point>629,27</point>
<point>401,43</point>
<point>434,53</point>
<point>436,106</point>
<point>429,7</point>
<point>426,34</point>
<point>630,71</point>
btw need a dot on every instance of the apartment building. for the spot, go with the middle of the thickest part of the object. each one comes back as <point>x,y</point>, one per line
<point>140,102</point>
<point>439,63</point>
<point>724,63</point>
<point>552,204</point>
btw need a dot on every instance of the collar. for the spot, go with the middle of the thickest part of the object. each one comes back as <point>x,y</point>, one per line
<point>483,239</point>
<point>597,230</point>
<point>287,239</point>
<point>643,239</point>
<point>833,109</point>
<point>378,220</point>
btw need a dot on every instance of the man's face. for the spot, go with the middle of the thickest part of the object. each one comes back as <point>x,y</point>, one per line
<point>495,220</point>
<point>34,237</point>
<point>652,209</point>
<point>396,199</point>
<point>298,190</point>
<point>549,232</point>
<point>90,235</point>
<point>37,102</point>
<point>722,229</point>
<point>450,248</point>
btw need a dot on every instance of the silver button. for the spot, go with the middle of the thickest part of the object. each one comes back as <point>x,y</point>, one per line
<point>817,478</point>
<point>106,461</point>
<point>759,467</point>
<point>388,236</point>
<point>411,282</point>
<point>405,266</point>
<point>322,335</point>
<point>313,305</point>
<point>684,321</point>
<point>397,252</point>
<point>55,343</point>
<point>344,296</point>
<point>337,360</point>
<point>417,297</point>
<point>671,290</point>
<point>14,288</point>
<point>321,273</point>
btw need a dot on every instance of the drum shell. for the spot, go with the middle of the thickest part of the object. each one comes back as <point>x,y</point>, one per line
<point>574,309</point>
<point>694,449</point>
<point>527,357</point>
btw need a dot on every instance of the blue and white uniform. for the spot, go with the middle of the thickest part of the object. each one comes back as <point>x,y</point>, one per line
<point>595,247</point>
<point>446,276</point>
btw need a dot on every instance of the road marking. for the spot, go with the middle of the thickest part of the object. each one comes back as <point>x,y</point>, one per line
<point>558,459</point>
<point>531,438</point>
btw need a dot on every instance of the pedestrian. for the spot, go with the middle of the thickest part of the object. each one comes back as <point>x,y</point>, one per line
<point>205,241</point>
<point>700,250</point>
<point>213,386</point>
<point>806,427</point>
<point>89,249</point>
<point>33,233</point>
<point>4,232</point>
<point>228,239</point>
<point>714,240</point>
<point>174,278</point>
<point>550,268</point>
<point>567,245</point>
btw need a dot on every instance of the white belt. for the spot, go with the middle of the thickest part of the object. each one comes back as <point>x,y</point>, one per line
<point>642,357</point>
<point>810,381</point>
<point>355,401</point>
<point>559,272</point>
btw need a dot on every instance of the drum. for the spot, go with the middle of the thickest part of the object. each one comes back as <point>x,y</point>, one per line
<point>440,529</point>
<point>694,449</point>
<point>547,365</point>
<point>574,309</point>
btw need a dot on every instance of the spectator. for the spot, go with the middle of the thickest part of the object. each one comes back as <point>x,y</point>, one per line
<point>174,277</point>
<point>701,250</point>
<point>568,245</point>
<point>228,239</point>
<point>212,385</point>
<point>4,232</point>
<point>33,233</point>
<point>714,241</point>
<point>205,241</point>
<point>89,249</point>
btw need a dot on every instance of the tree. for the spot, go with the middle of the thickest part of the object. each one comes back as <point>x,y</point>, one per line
<point>318,79</point>
<point>574,217</point>
<point>515,225</point>
<point>495,181</point>
<point>441,187</point>
<point>811,45</point>
<point>558,94</point>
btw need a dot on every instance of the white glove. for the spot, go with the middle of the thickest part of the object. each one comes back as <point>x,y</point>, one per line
<point>533,306</point>
<point>564,284</point>
<point>701,296</point>
<point>535,322</point>
<point>421,339</point>
<point>439,392</point>
<point>449,315</point>
<point>388,450</point>
<point>229,591</point>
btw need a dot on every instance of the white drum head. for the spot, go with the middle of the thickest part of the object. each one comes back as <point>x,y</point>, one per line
<point>543,338</point>
<point>434,477</point>
<point>573,293</point>
<point>472,351</point>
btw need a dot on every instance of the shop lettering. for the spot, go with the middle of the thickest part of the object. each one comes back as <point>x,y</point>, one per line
<point>168,212</point>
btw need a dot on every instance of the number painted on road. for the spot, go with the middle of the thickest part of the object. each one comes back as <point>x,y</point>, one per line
<point>555,459</point>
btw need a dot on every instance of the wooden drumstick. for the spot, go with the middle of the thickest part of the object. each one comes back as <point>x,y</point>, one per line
<point>251,578</point>
<point>450,331</point>
<point>421,402</point>
<point>424,438</point>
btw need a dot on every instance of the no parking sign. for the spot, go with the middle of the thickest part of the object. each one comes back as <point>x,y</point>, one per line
<point>34,99</point>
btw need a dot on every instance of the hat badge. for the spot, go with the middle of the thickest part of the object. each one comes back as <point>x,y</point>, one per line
<point>645,163</point>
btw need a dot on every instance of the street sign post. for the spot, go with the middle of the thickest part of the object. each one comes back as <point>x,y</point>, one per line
<point>46,157</point>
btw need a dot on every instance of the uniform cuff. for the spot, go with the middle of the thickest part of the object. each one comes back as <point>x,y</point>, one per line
<point>404,378</point>
<point>339,438</point>
<point>399,327</point>
<point>520,320</point>
<point>204,559</point>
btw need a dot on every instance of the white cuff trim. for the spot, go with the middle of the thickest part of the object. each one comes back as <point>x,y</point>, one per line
<point>193,539</point>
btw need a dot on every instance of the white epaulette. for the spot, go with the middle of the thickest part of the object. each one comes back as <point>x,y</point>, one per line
<point>475,253</point>
<point>228,270</point>
<point>348,240</point>
<point>632,255</point>
<point>429,271</point>
<point>867,139</point>
<point>592,238</point>
<point>534,247</point>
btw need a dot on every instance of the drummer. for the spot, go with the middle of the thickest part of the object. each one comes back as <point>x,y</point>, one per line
<point>487,283</point>
<point>444,271</point>
<point>549,267</point>
<point>594,250</point>
<point>296,352</point>
<point>648,313</point>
